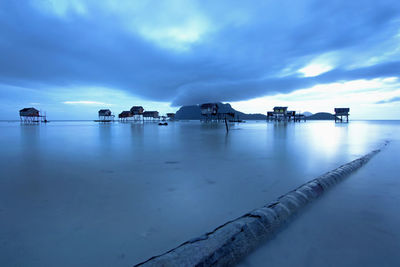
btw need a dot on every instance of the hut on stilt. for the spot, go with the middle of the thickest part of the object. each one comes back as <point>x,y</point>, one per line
<point>341,113</point>
<point>105,115</point>
<point>282,114</point>
<point>137,113</point>
<point>151,115</point>
<point>124,115</point>
<point>210,112</point>
<point>31,115</point>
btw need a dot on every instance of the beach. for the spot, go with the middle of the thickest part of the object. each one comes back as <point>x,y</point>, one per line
<point>84,193</point>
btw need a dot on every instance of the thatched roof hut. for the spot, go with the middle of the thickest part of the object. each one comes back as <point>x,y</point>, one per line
<point>342,111</point>
<point>280,110</point>
<point>125,114</point>
<point>104,112</point>
<point>209,109</point>
<point>29,112</point>
<point>137,110</point>
<point>150,114</point>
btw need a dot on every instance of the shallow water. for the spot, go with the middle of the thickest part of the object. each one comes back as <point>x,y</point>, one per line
<point>83,193</point>
<point>355,224</point>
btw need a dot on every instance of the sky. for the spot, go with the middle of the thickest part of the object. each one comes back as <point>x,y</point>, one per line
<point>72,58</point>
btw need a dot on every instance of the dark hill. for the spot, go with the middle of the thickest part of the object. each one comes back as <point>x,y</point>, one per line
<point>321,116</point>
<point>193,113</point>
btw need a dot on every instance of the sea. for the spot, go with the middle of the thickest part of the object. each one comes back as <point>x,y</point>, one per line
<point>83,193</point>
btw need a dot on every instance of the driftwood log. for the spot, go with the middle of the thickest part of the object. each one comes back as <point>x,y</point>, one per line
<point>230,242</point>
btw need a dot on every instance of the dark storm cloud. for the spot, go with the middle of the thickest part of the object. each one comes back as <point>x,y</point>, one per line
<point>231,91</point>
<point>241,56</point>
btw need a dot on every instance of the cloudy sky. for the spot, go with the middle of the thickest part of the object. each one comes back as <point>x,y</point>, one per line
<point>72,57</point>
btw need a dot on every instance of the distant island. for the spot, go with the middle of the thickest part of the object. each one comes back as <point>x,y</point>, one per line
<point>321,116</point>
<point>193,113</point>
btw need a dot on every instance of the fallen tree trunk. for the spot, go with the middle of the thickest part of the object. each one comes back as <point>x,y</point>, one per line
<point>230,242</point>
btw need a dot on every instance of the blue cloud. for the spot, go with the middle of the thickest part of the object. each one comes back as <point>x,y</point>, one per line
<point>201,51</point>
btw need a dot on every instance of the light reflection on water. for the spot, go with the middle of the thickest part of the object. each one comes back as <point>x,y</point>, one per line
<point>140,189</point>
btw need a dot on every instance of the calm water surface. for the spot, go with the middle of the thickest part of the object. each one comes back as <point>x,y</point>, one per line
<point>81,193</point>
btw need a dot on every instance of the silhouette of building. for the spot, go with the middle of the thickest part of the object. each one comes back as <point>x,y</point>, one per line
<point>125,115</point>
<point>105,115</point>
<point>151,115</point>
<point>137,113</point>
<point>341,113</point>
<point>209,109</point>
<point>211,112</point>
<point>31,115</point>
<point>282,114</point>
<point>137,110</point>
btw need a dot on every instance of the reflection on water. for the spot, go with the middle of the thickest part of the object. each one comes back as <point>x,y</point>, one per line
<point>105,138</point>
<point>30,137</point>
<point>280,137</point>
<point>30,153</point>
<point>139,189</point>
<point>326,139</point>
